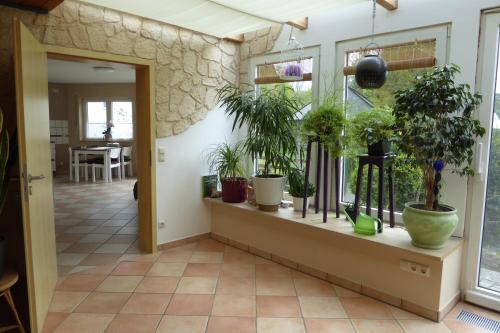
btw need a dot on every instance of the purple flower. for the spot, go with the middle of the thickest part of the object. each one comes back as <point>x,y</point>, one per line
<point>438,165</point>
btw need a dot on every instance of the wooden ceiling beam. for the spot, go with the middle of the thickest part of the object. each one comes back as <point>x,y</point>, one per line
<point>240,38</point>
<point>301,24</point>
<point>388,4</point>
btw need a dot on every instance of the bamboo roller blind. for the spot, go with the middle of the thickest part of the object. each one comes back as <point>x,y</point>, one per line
<point>417,54</point>
<point>268,73</point>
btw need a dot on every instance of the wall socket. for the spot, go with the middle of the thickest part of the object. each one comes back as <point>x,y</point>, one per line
<point>161,224</point>
<point>414,268</point>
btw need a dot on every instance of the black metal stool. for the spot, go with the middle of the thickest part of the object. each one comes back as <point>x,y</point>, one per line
<point>378,161</point>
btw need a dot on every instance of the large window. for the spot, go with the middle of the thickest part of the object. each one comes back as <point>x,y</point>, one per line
<point>101,113</point>
<point>408,54</point>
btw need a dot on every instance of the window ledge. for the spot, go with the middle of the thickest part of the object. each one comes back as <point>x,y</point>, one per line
<point>396,237</point>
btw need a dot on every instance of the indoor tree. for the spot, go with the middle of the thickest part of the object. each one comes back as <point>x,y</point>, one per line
<point>436,125</point>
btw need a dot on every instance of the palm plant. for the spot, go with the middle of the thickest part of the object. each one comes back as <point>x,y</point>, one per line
<point>270,122</point>
<point>227,161</point>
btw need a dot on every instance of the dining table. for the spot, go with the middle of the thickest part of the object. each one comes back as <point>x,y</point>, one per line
<point>95,150</point>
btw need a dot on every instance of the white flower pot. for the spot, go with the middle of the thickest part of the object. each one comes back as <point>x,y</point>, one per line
<point>269,191</point>
<point>298,203</point>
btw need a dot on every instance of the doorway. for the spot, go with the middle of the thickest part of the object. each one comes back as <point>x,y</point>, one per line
<point>483,255</point>
<point>93,121</point>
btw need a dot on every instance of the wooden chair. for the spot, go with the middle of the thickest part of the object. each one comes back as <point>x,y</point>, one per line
<point>7,280</point>
<point>126,159</point>
<point>115,163</point>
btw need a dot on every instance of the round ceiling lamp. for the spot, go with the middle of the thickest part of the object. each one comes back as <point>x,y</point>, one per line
<point>371,70</point>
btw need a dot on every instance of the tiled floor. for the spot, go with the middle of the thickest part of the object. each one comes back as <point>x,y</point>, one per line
<point>96,223</point>
<point>209,287</point>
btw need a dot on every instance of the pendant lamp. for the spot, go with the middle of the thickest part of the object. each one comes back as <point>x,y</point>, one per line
<point>371,70</point>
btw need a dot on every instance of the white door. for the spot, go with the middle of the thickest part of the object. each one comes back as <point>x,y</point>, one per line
<point>483,255</point>
<point>30,60</point>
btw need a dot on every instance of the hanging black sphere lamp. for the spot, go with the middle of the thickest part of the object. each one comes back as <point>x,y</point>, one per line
<point>371,70</point>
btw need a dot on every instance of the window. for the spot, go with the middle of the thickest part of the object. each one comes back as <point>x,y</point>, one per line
<point>98,114</point>
<point>407,55</point>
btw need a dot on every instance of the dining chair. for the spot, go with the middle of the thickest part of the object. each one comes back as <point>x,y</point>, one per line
<point>115,163</point>
<point>126,159</point>
<point>83,164</point>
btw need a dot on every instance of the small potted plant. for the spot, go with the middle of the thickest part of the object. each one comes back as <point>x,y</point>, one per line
<point>269,119</point>
<point>325,125</point>
<point>226,160</point>
<point>296,181</point>
<point>373,128</point>
<point>436,125</point>
<point>349,210</point>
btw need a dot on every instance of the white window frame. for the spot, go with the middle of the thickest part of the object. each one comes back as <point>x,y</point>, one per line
<point>439,33</point>
<point>109,116</point>
<point>309,52</point>
<point>486,79</point>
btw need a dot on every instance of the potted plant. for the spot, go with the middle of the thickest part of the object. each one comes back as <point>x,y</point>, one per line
<point>325,125</point>
<point>269,119</point>
<point>226,160</point>
<point>349,210</point>
<point>373,128</point>
<point>436,125</point>
<point>8,152</point>
<point>296,181</point>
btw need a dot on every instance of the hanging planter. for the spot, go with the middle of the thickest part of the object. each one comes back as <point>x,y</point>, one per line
<point>291,66</point>
<point>371,70</point>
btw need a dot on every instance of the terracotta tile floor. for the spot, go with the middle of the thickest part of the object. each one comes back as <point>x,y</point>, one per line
<point>203,286</point>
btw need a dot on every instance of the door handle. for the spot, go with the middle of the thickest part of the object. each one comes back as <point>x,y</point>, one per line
<point>31,178</point>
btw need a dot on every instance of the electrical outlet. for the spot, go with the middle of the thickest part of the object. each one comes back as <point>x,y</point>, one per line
<point>414,268</point>
<point>161,224</point>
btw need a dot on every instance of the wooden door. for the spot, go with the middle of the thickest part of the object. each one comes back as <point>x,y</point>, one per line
<point>30,61</point>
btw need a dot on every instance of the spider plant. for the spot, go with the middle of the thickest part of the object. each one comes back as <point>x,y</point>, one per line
<point>226,160</point>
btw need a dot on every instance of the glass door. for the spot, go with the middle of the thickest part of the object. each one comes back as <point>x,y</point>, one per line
<point>483,255</point>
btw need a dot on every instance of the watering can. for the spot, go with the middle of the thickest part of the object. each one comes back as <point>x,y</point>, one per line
<point>365,224</point>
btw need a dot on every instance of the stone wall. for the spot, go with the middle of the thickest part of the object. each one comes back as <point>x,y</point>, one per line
<point>256,43</point>
<point>189,66</point>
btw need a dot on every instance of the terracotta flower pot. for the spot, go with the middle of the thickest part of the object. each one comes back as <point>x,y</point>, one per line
<point>234,190</point>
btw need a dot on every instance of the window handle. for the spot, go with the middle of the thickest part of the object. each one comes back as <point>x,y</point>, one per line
<point>479,161</point>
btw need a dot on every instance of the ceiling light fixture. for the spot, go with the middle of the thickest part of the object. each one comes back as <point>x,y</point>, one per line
<point>104,69</point>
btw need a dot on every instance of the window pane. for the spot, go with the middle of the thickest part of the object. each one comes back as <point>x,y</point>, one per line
<point>407,177</point>
<point>122,120</point>
<point>96,112</point>
<point>123,131</point>
<point>94,131</point>
<point>122,112</point>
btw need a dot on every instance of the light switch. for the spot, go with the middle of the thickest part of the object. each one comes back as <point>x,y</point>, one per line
<point>161,154</point>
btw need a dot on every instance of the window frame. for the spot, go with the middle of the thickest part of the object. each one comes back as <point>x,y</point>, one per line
<point>309,52</point>
<point>109,116</point>
<point>441,33</point>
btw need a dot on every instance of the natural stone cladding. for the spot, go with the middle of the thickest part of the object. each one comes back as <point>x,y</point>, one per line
<point>189,66</point>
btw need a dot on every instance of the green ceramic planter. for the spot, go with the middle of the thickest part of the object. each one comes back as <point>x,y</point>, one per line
<point>429,229</point>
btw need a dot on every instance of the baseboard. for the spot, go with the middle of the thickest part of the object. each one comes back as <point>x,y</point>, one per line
<point>182,241</point>
<point>362,289</point>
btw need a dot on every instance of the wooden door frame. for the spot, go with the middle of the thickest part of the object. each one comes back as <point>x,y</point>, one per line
<point>145,129</point>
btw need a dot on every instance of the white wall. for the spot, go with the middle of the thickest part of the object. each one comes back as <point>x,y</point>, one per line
<point>354,22</point>
<point>179,198</point>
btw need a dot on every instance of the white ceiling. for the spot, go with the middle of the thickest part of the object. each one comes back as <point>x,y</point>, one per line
<point>61,71</point>
<point>223,18</point>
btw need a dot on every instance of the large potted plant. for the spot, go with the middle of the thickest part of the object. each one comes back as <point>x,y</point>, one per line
<point>296,179</point>
<point>8,152</point>
<point>227,161</point>
<point>436,125</point>
<point>373,128</point>
<point>269,120</point>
